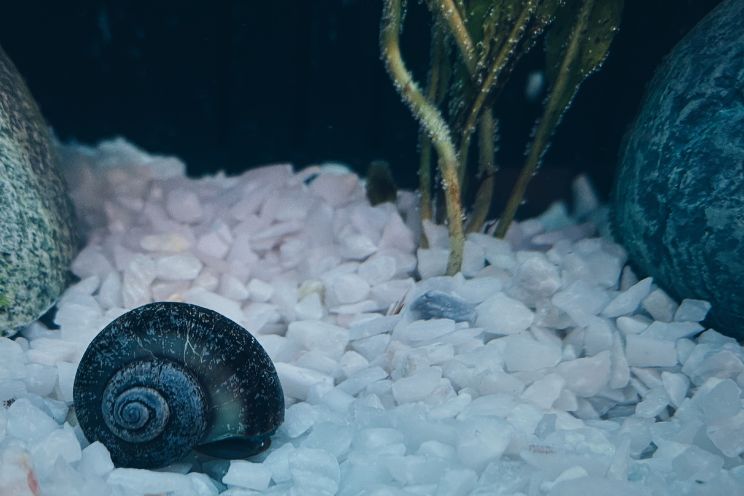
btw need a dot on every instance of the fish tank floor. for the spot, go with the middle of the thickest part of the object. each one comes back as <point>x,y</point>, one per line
<point>546,366</point>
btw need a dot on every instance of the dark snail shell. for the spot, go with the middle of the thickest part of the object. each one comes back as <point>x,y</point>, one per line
<point>166,378</point>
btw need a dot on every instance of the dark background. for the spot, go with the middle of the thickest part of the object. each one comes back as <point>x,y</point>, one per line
<point>229,84</point>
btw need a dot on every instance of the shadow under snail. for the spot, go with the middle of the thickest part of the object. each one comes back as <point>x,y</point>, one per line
<point>166,378</point>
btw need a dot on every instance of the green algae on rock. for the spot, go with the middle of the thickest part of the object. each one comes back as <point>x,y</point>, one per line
<point>37,229</point>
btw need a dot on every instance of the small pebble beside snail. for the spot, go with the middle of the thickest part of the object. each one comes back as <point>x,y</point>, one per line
<point>166,378</point>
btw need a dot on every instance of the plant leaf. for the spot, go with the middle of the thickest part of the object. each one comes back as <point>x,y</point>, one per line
<point>493,21</point>
<point>593,45</point>
<point>546,13</point>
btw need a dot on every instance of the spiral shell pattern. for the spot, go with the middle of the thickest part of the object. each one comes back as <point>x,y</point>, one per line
<point>167,378</point>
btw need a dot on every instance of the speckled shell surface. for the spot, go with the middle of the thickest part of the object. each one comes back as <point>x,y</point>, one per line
<point>37,228</point>
<point>243,398</point>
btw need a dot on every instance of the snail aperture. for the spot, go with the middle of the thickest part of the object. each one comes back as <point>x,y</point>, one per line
<point>166,378</point>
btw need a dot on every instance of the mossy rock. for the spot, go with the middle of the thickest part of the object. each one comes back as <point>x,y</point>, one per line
<point>37,229</point>
<point>678,204</point>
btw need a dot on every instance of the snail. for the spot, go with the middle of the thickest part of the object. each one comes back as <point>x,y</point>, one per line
<point>166,378</point>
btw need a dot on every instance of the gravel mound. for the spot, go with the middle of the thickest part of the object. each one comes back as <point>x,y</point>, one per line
<point>544,368</point>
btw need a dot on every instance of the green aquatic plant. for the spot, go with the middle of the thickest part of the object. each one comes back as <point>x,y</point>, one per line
<point>475,45</point>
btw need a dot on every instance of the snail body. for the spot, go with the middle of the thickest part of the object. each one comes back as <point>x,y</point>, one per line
<point>166,378</point>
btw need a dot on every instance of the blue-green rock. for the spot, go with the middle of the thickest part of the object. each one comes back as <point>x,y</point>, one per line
<point>37,229</point>
<point>678,204</point>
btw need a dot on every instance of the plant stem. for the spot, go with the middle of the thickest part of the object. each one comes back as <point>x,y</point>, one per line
<point>425,178</point>
<point>432,92</point>
<point>431,120</point>
<point>548,122</point>
<point>450,14</point>
<point>505,55</point>
<point>486,172</point>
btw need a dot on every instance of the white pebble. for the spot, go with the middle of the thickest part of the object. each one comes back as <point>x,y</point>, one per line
<point>432,261</point>
<point>314,471</point>
<point>260,290</point>
<point>335,189</point>
<point>396,235</point>
<point>248,475</point>
<point>500,314</point>
<point>138,276</point>
<point>457,482</point>
<point>585,198</point>
<point>109,294</point>
<point>297,381</point>
<point>473,258</point>
<point>352,362</point>
<point>586,376</point>
<point>91,261</point>
<point>620,372</point>
<point>718,400</point>
<point>356,246</point>
<point>213,244</point>
<point>184,206</point>
<point>692,310</point>
<point>326,338</point>
<point>140,481</point>
<point>309,308</point>
<point>646,352</point>
<point>598,335</point>
<point>231,287</point>
<point>728,435</point>
<point>676,386</point>
<point>28,423</point>
<point>202,484</point>
<point>96,460</point>
<point>545,391</point>
<point>213,301</point>
<point>538,275</point>
<point>479,288</point>
<point>60,443</point>
<point>181,267</point>
<point>172,242</point>
<point>40,379</point>
<point>66,379</point>
<point>482,440</point>
<point>579,299</point>
<point>278,462</point>
<point>654,403</point>
<point>377,269</point>
<point>627,302</point>
<point>523,353</point>
<point>631,325</point>
<point>361,379</point>
<point>349,288</point>
<point>420,332</point>
<point>660,306</point>
<point>298,419</point>
<point>417,386</point>
<point>436,234</point>
<point>330,436</point>
<point>672,331</point>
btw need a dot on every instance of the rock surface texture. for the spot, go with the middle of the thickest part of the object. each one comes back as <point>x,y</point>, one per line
<point>37,233</point>
<point>679,195</point>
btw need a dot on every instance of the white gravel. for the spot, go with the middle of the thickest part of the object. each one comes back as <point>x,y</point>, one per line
<point>546,368</point>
